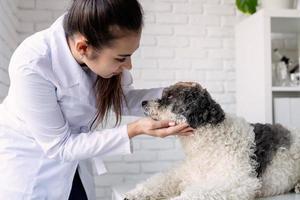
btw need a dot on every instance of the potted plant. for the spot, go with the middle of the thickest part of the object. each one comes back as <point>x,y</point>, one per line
<point>246,6</point>
<point>249,6</point>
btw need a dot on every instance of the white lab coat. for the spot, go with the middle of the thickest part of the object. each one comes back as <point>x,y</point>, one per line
<point>45,119</point>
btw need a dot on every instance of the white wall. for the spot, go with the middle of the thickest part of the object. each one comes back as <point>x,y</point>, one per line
<point>183,40</point>
<point>36,15</point>
<point>8,40</point>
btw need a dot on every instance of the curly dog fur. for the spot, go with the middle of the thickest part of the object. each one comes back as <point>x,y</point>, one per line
<point>227,158</point>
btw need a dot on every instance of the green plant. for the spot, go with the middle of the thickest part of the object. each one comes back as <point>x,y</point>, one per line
<point>246,6</point>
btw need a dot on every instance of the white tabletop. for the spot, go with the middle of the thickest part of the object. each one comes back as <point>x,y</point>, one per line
<point>120,190</point>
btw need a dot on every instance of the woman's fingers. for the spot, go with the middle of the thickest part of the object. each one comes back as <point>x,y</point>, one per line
<point>185,83</point>
<point>164,128</point>
<point>187,132</point>
<point>188,129</point>
<point>163,132</point>
<point>176,129</point>
<point>162,124</point>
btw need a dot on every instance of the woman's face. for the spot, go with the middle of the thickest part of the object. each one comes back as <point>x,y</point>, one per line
<point>110,61</point>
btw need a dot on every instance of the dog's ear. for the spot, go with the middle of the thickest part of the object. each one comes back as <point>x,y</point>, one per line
<point>202,109</point>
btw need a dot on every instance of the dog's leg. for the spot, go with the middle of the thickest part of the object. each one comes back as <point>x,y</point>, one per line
<point>215,195</point>
<point>246,190</point>
<point>282,175</point>
<point>160,186</point>
<point>199,194</point>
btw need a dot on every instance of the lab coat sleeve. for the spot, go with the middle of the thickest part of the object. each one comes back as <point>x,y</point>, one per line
<point>38,107</point>
<point>132,105</point>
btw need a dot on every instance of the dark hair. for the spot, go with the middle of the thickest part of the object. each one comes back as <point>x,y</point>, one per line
<point>101,22</point>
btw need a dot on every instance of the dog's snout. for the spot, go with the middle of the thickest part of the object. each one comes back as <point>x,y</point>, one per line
<point>144,103</point>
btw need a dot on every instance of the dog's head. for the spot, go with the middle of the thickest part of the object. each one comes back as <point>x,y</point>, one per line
<point>185,102</point>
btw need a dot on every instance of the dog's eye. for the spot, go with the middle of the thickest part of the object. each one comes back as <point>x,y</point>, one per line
<point>170,96</point>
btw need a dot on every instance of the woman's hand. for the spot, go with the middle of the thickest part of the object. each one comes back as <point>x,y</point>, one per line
<point>161,129</point>
<point>186,84</point>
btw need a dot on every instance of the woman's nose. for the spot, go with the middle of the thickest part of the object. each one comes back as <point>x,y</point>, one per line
<point>128,65</point>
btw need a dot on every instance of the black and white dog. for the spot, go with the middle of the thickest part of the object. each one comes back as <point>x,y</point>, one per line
<point>227,158</point>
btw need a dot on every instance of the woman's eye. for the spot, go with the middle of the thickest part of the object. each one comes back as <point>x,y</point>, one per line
<point>120,59</point>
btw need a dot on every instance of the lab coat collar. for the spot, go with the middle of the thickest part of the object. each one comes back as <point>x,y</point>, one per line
<point>63,62</point>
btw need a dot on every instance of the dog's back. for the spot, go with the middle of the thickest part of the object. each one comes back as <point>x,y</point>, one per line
<point>268,140</point>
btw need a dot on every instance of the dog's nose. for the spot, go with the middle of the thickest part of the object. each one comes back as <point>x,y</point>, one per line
<point>144,103</point>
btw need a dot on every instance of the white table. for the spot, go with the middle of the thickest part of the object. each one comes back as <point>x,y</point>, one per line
<point>119,190</point>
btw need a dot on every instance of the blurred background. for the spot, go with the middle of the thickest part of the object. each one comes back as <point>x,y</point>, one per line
<point>183,40</point>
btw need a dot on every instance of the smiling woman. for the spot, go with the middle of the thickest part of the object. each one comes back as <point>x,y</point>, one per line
<point>98,38</point>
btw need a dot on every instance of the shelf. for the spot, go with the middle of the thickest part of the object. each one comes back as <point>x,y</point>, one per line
<point>281,13</point>
<point>286,89</point>
<point>285,25</point>
<point>253,55</point>
<point>282,20</point>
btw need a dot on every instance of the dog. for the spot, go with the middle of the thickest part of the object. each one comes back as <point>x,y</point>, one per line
<point>226,158</point>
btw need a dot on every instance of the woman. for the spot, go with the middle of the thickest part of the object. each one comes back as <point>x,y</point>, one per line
<point>64,80</point>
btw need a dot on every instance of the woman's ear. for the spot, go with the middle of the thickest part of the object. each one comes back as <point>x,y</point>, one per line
<point>80,44</point>
<point>81,47</point>
<point>203,110</point>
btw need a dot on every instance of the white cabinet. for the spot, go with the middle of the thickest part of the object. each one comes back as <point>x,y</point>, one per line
<point>257,99</point>
<point>287,111</point>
